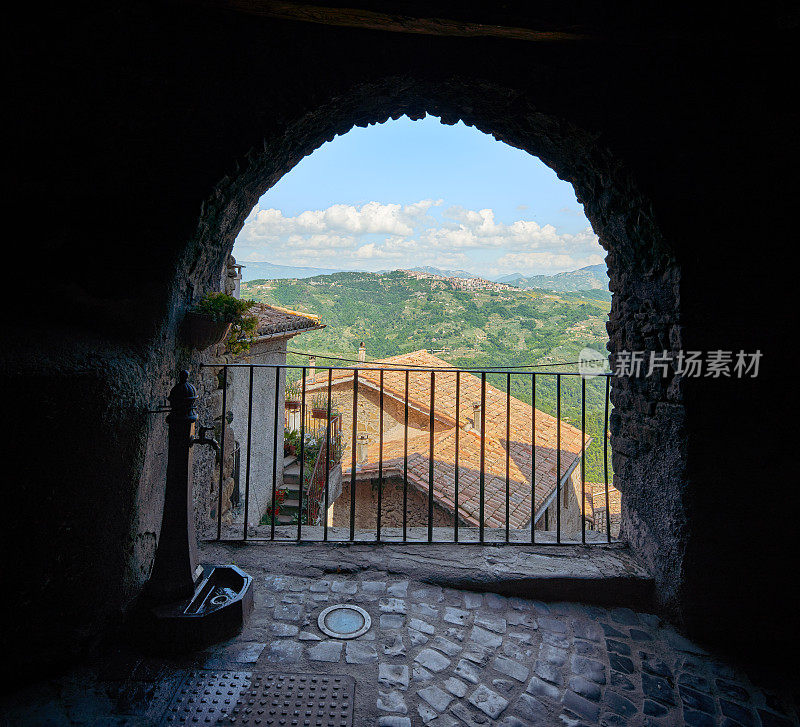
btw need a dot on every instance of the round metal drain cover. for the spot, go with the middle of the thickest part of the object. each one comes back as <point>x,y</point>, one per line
<point>344,621</point>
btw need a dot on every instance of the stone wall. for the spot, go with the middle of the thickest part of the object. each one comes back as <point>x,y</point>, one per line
<point>681,146</point>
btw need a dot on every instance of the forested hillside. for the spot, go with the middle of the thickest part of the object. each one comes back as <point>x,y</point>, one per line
<point>394,313</point>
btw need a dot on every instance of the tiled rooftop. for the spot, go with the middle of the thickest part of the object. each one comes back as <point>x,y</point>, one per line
<point>469,442</point>
<point>273,320</point>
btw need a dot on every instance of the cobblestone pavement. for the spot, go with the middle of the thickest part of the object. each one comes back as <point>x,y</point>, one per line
<point>448,658</point>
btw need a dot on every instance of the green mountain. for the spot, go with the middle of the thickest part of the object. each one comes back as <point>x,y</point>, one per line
<point>394,313</point>
<point>593,277</point>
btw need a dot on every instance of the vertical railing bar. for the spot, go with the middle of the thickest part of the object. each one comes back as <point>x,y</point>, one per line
<point>605,458</point>
<point>353,458</point>
<point>405,465</point>
<point>380,458</point>
<point>583,460</point>
<point>533,458</point>
<point>222,448</point>
<point>302,456</point>
<point>327,458</point>
<point>483,458</point>
<point>458,428</point>
<point>430,462</point>
<point>508,455</point>
<point>247,472</point>
<point>275,450</point>
<point>558,458</point>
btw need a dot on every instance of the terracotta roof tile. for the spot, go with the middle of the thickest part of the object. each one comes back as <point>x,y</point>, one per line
<point>273,319</point>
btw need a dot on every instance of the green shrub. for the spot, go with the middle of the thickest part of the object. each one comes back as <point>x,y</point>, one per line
<point>227,309</point>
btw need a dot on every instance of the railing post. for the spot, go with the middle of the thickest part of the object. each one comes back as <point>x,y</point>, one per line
<point>175,570</point>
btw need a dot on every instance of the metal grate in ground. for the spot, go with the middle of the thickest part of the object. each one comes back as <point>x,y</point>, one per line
<point>252,699</point>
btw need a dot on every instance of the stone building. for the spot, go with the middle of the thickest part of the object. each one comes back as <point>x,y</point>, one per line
<point>522,457</point>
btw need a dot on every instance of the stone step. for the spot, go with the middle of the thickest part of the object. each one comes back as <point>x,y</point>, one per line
<point>292,470</point>
<point>288,460</point>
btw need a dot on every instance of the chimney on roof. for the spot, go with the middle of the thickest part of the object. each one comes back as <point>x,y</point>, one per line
<point>476,417</point>
<point>362,352</point>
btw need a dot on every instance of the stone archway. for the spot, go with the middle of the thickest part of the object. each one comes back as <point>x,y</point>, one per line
<point>647,426</point>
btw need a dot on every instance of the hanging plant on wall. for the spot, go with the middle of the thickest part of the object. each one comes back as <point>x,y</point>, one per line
<point>219,317</point>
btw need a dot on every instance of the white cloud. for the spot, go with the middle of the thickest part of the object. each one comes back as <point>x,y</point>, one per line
<point>376,236</point>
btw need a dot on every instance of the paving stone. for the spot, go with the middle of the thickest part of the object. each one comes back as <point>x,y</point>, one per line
<point>432,594</point>
<point>562,641</point>
<point>680,643</point>
<point>420,674</point>
<point>695,682</point>
<point>392,620</point>
<point>495,601</point>
<point>478,654</point>
<point>473,600</point>
<point>619,704</point>
<point>398,588</point>
<point>548,672</point>
<point>552,655</point>
<point>426,713</point>
<point>654,709</point>
<point>360,652</point>
<point>326,651</point>
<point>319,586</point>
<point>392,721</point>
<point>437,698</point>
<point>520,636</point>
<point>393,676</point>
<point>394,646</point>
<point>484,637</point>
<point>696,700</point>
<point>585,688</point>
<point>391,702</point>
<point>456,616</point>
<point>532,711</point>
<point>515,650</point>
<point>621,663</point>
<point>455,687</point>
<point>416,638</point>
<point>421,626</point>
<point>445,720</point>
<point>432,660</point>
<point>511,668</point>
<point>639,635</point>
<point>288,612</point>
<point>489,702</point>
<point>655,666</point>
<point>467,671</point>
<point>470,718</point>
<point>308,636</point>
<point>445,646</point>
<point>320,597</point>
<point>540,688</point>
<point>587,648</point>
<point>624,616</point>
<point>588,630</point>
<point>552,624</point>
<point>280,629</point>
<point>284,652</point>
<point>521,618</point>
<point>737,712</point>
<point>392,605</point>
<point>373,586</point>
<point>609,630</point>
<point>591,669</point>
<point>622,682</point>
<point>657,688</point>
<point>618,647</point>
<point>423,609</point>
<point>511,721</point>
<point>580,706</point>
<point>491,621</point>
<point>732,691</point>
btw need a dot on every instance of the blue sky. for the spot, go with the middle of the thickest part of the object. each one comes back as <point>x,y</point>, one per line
<point>408,193</point>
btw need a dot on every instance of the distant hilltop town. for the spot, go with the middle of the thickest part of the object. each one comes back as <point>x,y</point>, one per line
<point>459,283</point>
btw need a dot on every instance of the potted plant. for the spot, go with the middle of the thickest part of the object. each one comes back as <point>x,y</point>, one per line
<point>319,406</point>
<point>292,395</point>
<point>218,317</point>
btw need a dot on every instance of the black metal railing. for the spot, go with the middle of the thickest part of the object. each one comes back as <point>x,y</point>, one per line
<point>389,453</point>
